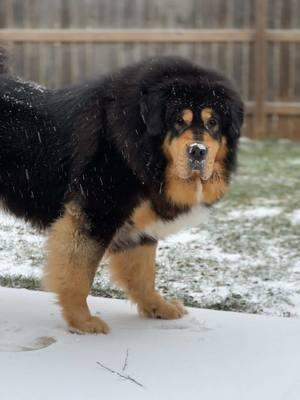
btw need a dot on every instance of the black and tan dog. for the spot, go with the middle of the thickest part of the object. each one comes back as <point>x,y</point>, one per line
<point>114,165</point>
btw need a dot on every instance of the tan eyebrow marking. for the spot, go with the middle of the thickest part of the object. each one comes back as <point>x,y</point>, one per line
<point>206,114</point>
<point>187,116</point>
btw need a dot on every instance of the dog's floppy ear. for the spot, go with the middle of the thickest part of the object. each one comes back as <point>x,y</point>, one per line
<point>237,118</point>
<point>236,112</point>
<point>152,111</point>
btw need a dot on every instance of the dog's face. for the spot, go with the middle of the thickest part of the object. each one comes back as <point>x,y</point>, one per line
<point>192,142</point>
<point>198,123</point>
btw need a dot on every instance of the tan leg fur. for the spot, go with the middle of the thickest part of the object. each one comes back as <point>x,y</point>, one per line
<point>72,262</point>
<point>134,271</point>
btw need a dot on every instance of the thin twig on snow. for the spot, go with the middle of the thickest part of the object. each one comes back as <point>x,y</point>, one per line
<point>127,377</point>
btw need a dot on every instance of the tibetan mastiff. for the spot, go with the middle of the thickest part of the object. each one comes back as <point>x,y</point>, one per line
<point>113,165</point>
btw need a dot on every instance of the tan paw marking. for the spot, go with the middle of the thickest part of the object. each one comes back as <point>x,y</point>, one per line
<point>163,309</point>
<point>91,325</point>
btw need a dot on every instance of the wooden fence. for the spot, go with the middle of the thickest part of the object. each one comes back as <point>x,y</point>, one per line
<point>254,42</point>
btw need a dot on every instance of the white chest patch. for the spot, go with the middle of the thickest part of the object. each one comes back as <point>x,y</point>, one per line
<point>161,229</point>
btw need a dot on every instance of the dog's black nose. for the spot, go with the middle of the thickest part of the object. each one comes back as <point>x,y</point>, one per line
<point>197,152</point>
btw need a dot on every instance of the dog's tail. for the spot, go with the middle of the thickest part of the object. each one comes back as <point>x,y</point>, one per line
<point>3,61</point>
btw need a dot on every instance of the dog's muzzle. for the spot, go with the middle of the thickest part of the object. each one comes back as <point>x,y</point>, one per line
<point>197,153</point>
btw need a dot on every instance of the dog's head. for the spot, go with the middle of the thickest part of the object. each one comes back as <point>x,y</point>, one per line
<point>198,122</point>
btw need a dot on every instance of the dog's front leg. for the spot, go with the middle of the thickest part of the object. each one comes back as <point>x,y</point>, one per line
<point>134,270</point>
<point>73,257</point>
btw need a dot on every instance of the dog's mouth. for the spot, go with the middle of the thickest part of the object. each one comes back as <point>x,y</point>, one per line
<point>197,165</point>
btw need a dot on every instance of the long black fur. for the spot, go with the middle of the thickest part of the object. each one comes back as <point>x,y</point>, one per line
<point>99,143</point>
<point>3,61</point>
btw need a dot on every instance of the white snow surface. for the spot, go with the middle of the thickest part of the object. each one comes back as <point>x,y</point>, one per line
<point>257,212</point>
<point>209,355</point>
<point>295,217</point>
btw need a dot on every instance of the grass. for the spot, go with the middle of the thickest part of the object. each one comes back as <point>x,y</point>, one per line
<point>247,258</point>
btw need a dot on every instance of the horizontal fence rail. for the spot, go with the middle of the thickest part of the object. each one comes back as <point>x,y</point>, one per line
<point>144,35</point>
<point>126,35</point>
<point>278,108</point>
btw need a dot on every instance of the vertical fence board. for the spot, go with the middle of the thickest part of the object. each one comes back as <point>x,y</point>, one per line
<point>260,66</point>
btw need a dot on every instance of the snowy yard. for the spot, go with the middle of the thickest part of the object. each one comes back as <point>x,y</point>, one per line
<point>247,258</point>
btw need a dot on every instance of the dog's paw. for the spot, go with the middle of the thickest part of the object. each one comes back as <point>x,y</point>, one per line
<point>162,309</point>
<point>91,325</point>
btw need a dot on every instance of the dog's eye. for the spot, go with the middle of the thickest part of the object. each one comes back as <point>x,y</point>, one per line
<point>180,121</point>
<point>212,124</point>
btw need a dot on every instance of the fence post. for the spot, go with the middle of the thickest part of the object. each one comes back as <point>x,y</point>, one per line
<point>260,68</point>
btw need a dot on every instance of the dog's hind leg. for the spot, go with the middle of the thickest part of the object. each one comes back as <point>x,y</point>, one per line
<point>134,270</point>
<point>73,258</point>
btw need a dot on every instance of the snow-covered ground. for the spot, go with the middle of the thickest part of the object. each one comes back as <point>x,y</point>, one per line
<point>209,355</point>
